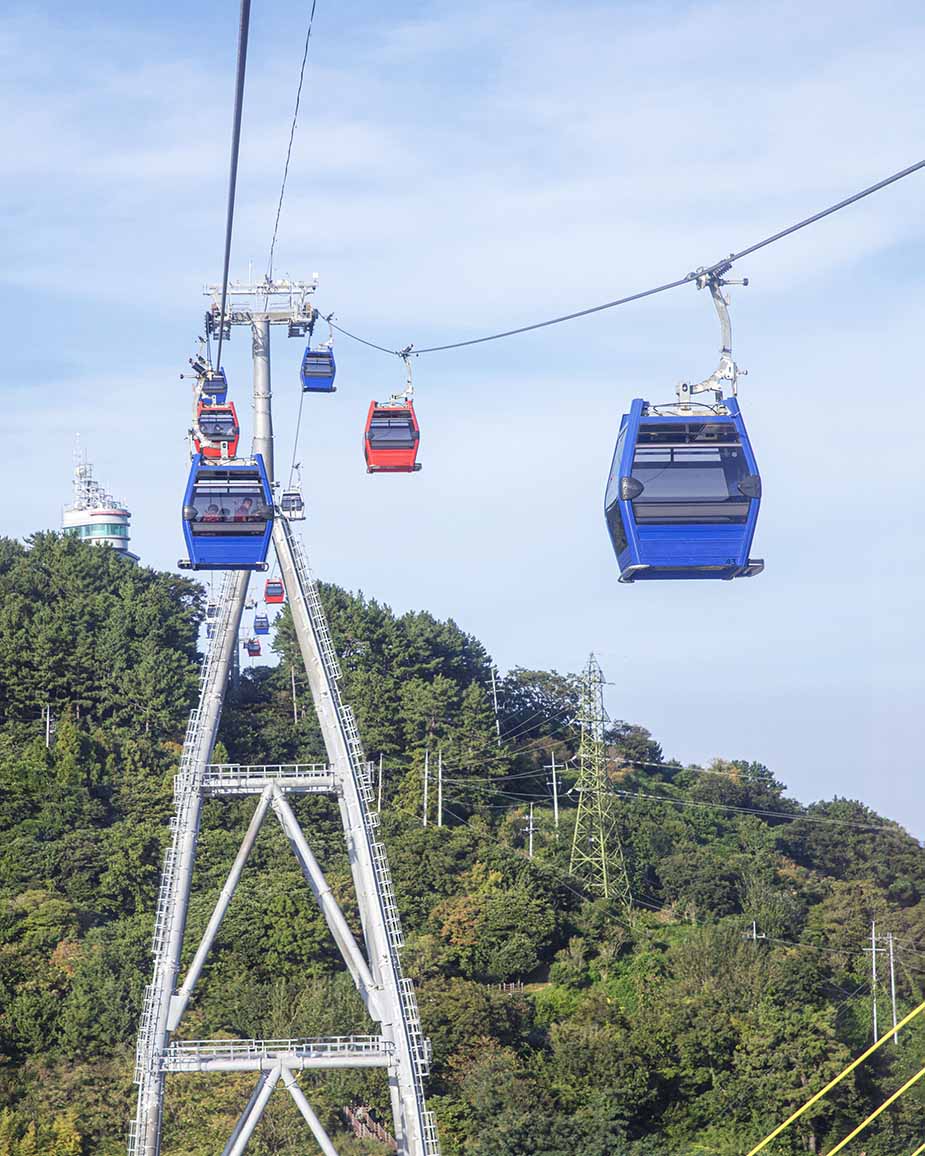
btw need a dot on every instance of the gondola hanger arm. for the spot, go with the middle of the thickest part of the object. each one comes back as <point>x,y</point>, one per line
<point>727,372</point>
<point>408,395</point>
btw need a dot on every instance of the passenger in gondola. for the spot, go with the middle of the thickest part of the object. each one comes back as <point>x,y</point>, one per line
<point>243,512</point>
<point>212,514</point>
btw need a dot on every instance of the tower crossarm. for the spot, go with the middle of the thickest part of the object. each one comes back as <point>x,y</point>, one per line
<point>264,1055</point>
<point>278,301</point>
<point>222,779</point>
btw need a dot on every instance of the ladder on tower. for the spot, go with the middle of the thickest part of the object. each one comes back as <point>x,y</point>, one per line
<point>304,591</point>
<point>183,826</point>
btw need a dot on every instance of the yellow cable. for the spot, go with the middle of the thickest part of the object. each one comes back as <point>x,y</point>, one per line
<point>873,1116</point>
<point>919,1150</point>
<point>838,1079</point>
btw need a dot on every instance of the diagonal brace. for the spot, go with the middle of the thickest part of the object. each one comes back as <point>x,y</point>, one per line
<point>250,1117</point>
<point>180,1000</point>
<point>333,915</point>
<point>308,1114</point>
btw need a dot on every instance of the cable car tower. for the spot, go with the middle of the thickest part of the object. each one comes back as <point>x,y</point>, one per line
<point>397,1044</point>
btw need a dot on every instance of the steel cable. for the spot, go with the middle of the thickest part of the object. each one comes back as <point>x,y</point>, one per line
<point>718,267</point>
<point>295,117</point>
<point>233,174</point>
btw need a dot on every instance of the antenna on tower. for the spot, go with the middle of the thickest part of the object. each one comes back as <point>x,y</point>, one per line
<point>597,853</point>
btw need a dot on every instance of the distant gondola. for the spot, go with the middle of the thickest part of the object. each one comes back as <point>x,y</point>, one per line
<point>261,624</point>
<point>292,505</point>
<point>217,431</point>
<point>274,592</point>
<point>318,370</point>
<point>253,647</point>
<point>227,515</point>
<point>213,385</point>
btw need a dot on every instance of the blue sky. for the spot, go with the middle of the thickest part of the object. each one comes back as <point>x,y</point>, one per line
<point>462,169</point>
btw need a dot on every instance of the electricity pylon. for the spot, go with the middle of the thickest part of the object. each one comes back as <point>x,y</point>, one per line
<point>397,1045</point>
<point>597,853</point>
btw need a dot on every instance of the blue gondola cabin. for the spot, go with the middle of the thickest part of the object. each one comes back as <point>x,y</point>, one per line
<point>227,515</point>
<point>318,370</point>
<point>213,386</point>
<point>683,495</point>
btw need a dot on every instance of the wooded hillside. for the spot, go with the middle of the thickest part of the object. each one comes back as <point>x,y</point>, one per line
<point>691,1022</point>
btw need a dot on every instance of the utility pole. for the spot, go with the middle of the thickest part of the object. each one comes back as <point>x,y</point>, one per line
<point>873,974</point>
<point>426,781</point>
<point>753,934</point>
<point>893,987</point>
<point>551,766</point>
<point>440,787</point>
<point>49,721</point>
<point>379,793</point>
<point>494,696</point>
<point>530,829</point>
<point>597,854</point>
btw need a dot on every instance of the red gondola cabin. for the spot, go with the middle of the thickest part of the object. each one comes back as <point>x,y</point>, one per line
<point>392,438</point>
<point>274,591</point>
<point>253,647</point>
<point>217,431</point>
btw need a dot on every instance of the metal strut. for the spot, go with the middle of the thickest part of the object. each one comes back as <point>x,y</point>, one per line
<point>727,372</point>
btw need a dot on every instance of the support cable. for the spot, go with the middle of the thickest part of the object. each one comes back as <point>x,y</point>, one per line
<point>295,117</point>
<point>836,1081</point>
<point>717,269</point>
<point>295,440</point>
<point>233,173</point>
<point>279,209</point>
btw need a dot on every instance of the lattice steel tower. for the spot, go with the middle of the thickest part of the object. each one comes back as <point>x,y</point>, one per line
<point>597,853</point>
<point>397,1045</point>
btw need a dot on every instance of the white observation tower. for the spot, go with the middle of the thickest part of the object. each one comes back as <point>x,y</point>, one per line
<point>96,516</point>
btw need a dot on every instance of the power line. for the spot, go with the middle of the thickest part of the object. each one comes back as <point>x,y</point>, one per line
<point>233,174</point>
<point>717,268</point>
<point>473,784</point>
<point>655,905</point>
<point>295,117</point>
<point>786,815</point>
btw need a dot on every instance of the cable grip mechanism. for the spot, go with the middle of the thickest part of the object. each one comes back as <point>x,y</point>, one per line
<point>727,372</point>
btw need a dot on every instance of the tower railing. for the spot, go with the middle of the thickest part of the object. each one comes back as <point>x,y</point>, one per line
<point>418,1045</point>
<point>186,787</point>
